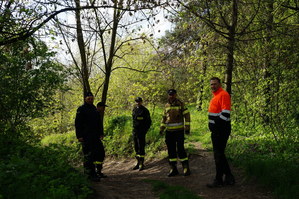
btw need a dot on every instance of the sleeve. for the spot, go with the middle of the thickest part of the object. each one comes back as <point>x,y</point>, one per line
<point>79,123</point>
<point>186,115</point>
<point>163,125</point>
<point>225,107</point>
<point>101,122</point>
<point>148,119</point>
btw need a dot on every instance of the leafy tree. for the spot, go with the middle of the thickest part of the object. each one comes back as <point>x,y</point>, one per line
<point>29,79</point>
<point>108,35</point>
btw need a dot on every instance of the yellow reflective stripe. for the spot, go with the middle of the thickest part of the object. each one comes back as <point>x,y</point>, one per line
<point>187,123</point>
<point>141,156</point>
<point>175,127</point>
<point>139,118</point>
<point>97,162</point>
<point>173,108</point>
<point>172,160</point>
<point>184,159</point>
<point>185,112</point>
<point>162,124</point>
<point>175,124</point>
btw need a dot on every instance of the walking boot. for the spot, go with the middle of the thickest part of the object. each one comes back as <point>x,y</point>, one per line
<point>173,169</point>
<point>229,180</point>
<point>99,173</point>
<point>215,184</point>
<point>186,168</point>
<point>141,165</point>
<point>92,175</point>
<point>137,165</point>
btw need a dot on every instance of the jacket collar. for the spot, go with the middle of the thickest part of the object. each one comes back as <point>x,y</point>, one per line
<point>218,91</point>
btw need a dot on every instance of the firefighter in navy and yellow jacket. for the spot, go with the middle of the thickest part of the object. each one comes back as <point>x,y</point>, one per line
<point>176,122</point>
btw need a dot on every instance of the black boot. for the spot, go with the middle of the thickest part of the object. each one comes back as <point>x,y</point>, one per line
<point>229,180</point>
<point>141,165</point>
<point>186,168</point>
<point>99,173</point>
<point>89,170</point>
<point>173,169</point>
<point>215,184</point>
<point>137,165</point>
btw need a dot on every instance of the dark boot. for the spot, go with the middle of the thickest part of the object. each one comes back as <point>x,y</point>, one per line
<point>137,165</point>
<point>215,184</point>
<point>92,175</point>
<point>186,168</point>
<point>89,170</point>
<point>99,173</point>
<point>229,180</point>
<point>141,165</point>
<point>173,169</point>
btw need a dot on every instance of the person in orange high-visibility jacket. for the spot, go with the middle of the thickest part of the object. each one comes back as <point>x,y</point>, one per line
<point>220,126</point>
<point>176,121</point>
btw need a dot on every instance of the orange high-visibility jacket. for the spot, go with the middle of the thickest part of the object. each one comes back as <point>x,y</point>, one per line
<point>176,117</point>
<point>220,106</point>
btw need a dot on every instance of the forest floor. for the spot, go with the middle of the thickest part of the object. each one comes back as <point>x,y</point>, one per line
<point>125,183</point>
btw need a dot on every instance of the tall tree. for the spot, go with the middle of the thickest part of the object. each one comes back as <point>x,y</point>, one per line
<point>108,31</point>
<point>222,18</point>
<point>29,79</point>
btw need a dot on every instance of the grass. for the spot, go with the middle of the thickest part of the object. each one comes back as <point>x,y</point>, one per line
<point>269,163</point>
<point>273,165</point>
<point>32,171</point>
<point>166,191</point>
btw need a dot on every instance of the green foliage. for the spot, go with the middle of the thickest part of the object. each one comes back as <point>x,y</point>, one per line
<point>273,164</point>
<point>166,191</point>
<point>32,171</point>
<point>118,136</point>
<point>29,79</point>
<point>66,144</point>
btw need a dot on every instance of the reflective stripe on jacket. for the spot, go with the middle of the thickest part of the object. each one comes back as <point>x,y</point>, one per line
<point>176,117</point>
<point>220,106</point>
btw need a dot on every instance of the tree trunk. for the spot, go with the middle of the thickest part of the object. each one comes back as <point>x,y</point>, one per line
<point>267,63</point>
<point>84,67</point>
<point>108,66</point>
<point>231,47</point>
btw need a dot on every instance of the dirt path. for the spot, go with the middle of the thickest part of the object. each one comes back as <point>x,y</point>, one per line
<point>125,183</point>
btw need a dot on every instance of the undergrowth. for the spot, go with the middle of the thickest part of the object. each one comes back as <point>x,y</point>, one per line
<point>32,171</point>
<point>166,191</point>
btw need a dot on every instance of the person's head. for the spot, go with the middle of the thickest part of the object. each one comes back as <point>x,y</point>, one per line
<point>215,83</point>
<point>171,94</point>
<point>101,106</point>
<point>138,101</point>
<point>89,98</point>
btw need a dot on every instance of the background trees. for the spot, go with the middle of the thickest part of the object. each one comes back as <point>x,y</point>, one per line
<point>29,79</point>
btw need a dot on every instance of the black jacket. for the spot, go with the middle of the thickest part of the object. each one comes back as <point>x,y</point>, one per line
<point>141,118</point>
<point>88,123</point>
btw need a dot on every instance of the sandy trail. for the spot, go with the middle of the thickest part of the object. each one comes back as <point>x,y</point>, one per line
<point>125,183</point>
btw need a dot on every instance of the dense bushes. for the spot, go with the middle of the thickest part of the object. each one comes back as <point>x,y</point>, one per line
<point>273,164</point>
<point>28,171</point>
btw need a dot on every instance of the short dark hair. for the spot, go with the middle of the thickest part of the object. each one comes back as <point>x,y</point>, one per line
<point>171,91</point>
<point>138,99</point>
<point>216,78</point>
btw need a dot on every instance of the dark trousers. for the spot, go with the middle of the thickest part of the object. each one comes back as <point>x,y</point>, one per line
<point>139,142</point>
<point>94,153</point>
<point>175,145</point>
<point>219,138</point>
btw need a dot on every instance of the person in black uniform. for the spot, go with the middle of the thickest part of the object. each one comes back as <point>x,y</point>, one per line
<point>141,123</point>
<point>89,131</point>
